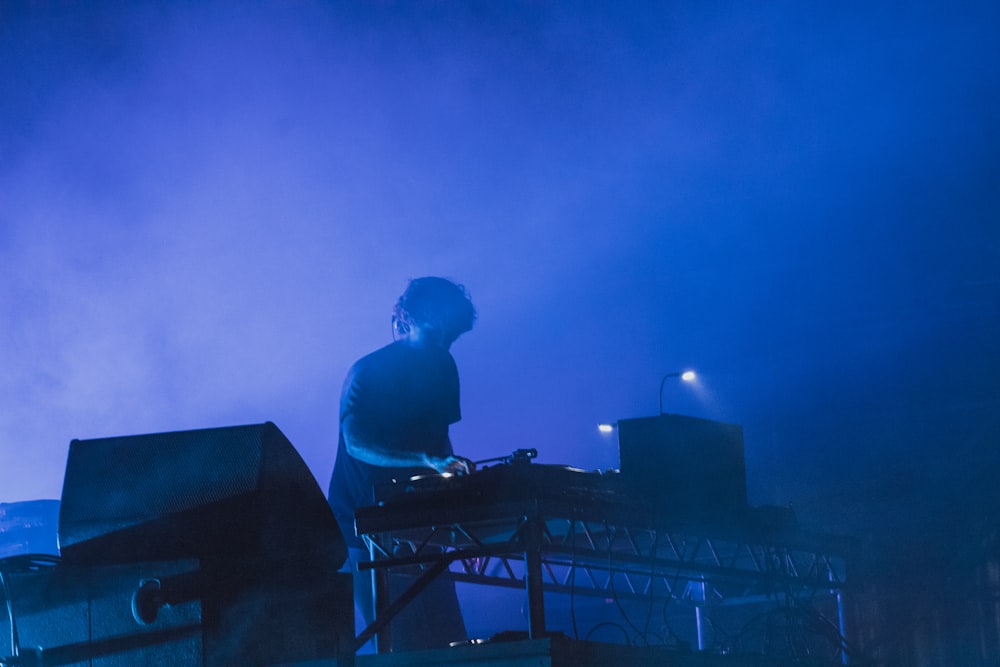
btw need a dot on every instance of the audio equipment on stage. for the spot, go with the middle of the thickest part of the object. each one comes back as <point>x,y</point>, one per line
<point>241,505</point>
<point>671,468</point>
<point>511,481</point>
<point>64,614</point>
<point>492,492</point>
<point>535,526</point>
<point>685,466</point>
<point>193,494</point>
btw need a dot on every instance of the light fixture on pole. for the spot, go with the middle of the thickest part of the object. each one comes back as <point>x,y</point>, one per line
<point>687,376</point>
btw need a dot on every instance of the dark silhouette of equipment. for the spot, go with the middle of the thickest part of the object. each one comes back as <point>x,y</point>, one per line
<point>684,466</point>
<point>210,547</point>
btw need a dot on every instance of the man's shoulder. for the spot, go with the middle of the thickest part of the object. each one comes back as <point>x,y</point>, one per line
<point>379,356</point>
<point>382,360</point>
<point>395,358</point>
<point>399,351</point>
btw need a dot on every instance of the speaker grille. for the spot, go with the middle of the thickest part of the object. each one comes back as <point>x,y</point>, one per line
<point>191,494</point>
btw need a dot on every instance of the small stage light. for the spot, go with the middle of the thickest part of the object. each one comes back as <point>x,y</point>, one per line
<point>605,428</point>
<point>687,376</point>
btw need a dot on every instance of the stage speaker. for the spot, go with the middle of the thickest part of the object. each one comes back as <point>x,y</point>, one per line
<point>684,467</point>
<point>171,614</point>
<point>61,614</point>
<point>243,504</point>
<point>203,494</point>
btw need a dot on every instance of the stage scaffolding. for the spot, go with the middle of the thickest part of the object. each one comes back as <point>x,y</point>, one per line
<point>604,549</point>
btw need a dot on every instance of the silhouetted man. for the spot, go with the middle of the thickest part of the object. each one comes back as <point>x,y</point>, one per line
<point>396,407</point>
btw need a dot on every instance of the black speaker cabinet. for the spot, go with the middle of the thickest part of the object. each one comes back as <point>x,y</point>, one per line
<point>82,616</point>
<point>203,494</point>
<point>684,466</point>
<point>241,503</point>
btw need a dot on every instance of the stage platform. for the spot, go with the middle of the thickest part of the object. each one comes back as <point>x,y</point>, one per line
<point>737,580</point>
<point>560,652</point>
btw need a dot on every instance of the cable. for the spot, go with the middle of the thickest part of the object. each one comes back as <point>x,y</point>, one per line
<point>611,582</point>
<point>796,625</point>
<point>609,624</point>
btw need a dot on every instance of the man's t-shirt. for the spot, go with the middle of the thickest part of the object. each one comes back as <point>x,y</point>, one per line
<point>403,398</point>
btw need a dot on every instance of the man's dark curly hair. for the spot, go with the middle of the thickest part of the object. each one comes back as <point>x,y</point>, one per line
<point>436,303</point>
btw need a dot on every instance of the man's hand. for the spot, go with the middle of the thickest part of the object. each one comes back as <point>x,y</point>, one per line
<point>457,465</point>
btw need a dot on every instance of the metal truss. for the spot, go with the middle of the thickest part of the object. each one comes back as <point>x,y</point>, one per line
<point>567,552</point>
<point>611,560</point>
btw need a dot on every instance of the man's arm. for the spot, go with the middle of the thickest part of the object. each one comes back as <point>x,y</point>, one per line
<point>366,449</point>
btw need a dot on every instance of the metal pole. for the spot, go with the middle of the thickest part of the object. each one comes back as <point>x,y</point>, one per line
<point>380,597</point>
<point>698,595</point>
<point>533,577</point>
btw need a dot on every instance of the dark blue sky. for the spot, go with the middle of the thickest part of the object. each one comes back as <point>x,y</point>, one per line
<point>207,211</point>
